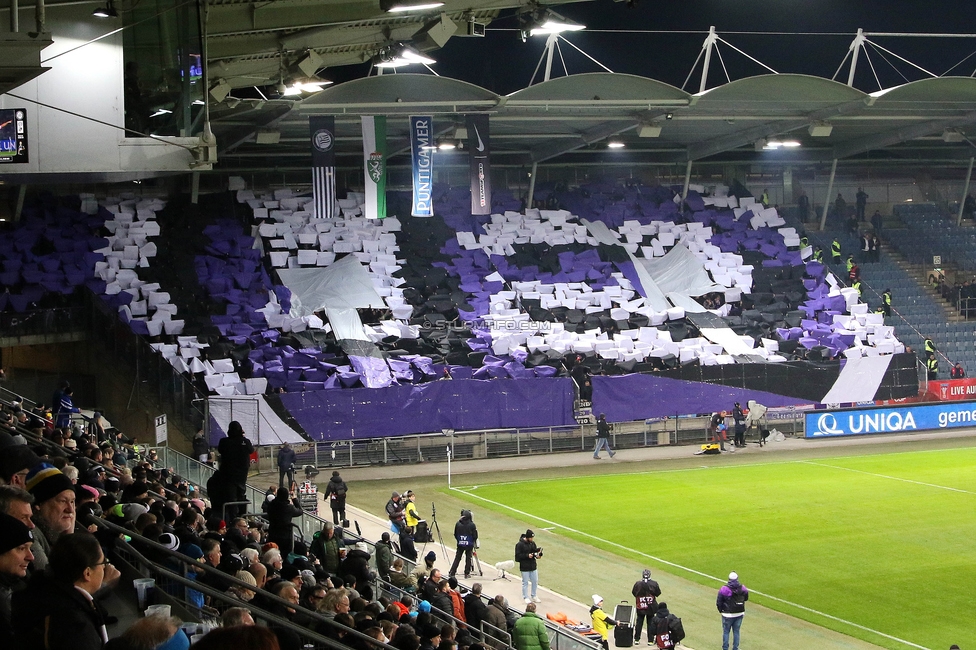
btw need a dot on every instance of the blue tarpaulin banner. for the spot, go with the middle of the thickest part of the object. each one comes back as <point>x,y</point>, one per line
<point>422,164</point>
<point>639,397</point>
<point>461,404</point>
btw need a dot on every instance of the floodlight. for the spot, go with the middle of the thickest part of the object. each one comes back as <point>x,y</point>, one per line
<point>820,129</point>
<point>649,131</point>
<point>108,11</point>
<point>446,144</point>
<point>552,25</point>
<point>615,144</point>
<point>400,6</point>
<point>953,135</point>
<point>399,55</point>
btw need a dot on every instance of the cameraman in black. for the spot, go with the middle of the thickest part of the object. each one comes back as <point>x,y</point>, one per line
<point>286,465</point>
<point>526,554</point>
<point>466,535</point>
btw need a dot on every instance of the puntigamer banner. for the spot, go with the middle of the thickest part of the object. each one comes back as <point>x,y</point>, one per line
<point>422,165</point>
<point>906,419</point>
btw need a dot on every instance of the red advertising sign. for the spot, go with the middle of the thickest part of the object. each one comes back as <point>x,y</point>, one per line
<point>953,389</point>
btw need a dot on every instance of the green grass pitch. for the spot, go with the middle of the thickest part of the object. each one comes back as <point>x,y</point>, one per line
<point>879,547</point>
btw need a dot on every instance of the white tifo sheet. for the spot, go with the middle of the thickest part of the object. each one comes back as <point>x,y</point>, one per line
<point>261,424</point>
<point>859,380</point>
<point>339,289</point>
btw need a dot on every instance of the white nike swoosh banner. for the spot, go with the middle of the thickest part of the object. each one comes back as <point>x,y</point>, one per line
<point>479,150</point>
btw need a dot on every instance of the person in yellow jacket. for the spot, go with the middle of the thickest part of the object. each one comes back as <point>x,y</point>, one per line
<point>413,517</point>
<point>601,622</point>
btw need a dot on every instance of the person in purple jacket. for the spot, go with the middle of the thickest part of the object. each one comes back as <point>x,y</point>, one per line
<point>731,604</point>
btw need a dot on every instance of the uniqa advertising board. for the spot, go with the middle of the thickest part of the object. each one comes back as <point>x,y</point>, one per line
<point>823,424</point>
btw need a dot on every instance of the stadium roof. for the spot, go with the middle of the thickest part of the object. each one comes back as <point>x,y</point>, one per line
<point>568,120</point>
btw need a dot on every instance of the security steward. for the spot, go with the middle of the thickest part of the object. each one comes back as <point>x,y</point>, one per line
<point>835,251</point>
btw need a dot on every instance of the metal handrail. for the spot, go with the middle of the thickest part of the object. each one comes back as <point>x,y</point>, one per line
<point>560,633</point>
<point>229,600</point>
<point>230,580</point>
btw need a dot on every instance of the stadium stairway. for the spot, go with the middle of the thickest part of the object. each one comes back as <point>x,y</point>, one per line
<point>917,312</point>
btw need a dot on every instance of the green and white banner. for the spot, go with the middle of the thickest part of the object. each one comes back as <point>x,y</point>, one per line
<point>374,160</point>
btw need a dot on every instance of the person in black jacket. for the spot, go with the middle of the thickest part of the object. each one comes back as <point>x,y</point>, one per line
<point>645,593</point>
<point>602,437</point>
<point>286,465</point>
<point>466,534</point>
<point>527,554</point>
<point>356,565</point>
<point>665,628</point>
<point>57,610</point>
<point>475,609</point>
<point>335,493</point>
<point>201,448</point>
<point>229,481</point>
<point>280,513</point>
<point>739,418</point>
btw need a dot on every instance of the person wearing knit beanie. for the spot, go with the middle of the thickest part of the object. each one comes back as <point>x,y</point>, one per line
<point>15,542</point>
<point>54,509</point>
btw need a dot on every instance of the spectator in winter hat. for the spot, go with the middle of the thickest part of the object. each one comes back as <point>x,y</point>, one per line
<point>54,509</point>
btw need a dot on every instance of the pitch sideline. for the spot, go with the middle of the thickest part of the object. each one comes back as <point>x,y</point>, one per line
<point>693,571</point>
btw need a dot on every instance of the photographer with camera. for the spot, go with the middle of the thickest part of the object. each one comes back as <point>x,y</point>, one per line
<point>286,465</point>
<point>526,554</point>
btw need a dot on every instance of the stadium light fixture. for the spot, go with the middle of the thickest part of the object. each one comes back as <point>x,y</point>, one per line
<point>400,55</point>
<point>108,11</point>
<point>400,6</point>
<point>615,144</point>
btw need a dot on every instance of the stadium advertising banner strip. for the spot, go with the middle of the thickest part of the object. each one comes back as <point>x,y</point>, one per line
<point>826,424</point>
<point>322,132</point>
<point>479,149</point>
<point>953,389</point>
<point>374,161</point>
<point>422,165</point>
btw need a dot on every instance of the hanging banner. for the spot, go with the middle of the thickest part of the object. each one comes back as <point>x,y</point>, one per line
<point>479,148</point>
<point>374,160</point>
<point>322,133</point>
<point>422,161</point>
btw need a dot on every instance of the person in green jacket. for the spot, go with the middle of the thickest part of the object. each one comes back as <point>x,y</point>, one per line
<point>530,631</point>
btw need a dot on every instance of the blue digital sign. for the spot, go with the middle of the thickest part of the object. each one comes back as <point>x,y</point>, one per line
<point>901,419</point>
<point>13,135</point>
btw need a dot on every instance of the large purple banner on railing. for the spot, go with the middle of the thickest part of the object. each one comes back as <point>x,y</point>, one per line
<point>461,404</point>
<point>638,397</point>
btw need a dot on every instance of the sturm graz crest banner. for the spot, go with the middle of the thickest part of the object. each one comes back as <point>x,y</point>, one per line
<point>322,132</point>
<point>374,160</point>
<point>479,148</point>
<point>422,165</point>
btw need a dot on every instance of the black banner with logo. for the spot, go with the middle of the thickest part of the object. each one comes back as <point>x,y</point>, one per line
<point>479,149</point>
<point>322,133</point>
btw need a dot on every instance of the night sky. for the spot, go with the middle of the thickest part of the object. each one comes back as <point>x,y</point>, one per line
<point>502,63</point>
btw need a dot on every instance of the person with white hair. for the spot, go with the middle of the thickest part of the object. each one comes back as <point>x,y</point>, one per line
<point>731,604</point>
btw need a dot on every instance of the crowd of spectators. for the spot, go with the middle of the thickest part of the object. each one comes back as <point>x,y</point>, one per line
<point>75,499</point>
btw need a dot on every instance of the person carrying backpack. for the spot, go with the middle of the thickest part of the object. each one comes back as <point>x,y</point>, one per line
<point>668,630</point>
<point>645,593</point>
<point>731,604</point>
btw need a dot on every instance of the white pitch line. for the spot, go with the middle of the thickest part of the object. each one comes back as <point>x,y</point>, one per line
<point>649,472</point>
<point>892,478</point>
<point>555,524</point>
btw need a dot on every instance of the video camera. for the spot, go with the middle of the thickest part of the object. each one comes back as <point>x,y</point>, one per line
<point>538,552</point>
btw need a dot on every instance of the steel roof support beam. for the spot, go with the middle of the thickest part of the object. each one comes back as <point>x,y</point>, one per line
<point>751,134</point>
<point>599,132</point>
<point>882,140</point>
